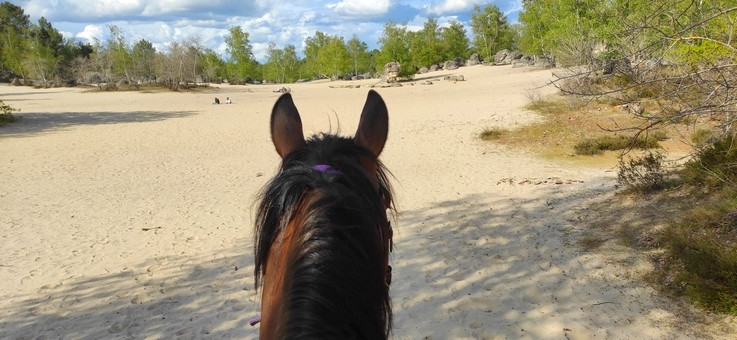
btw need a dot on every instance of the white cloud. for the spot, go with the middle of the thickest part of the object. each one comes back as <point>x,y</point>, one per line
<point>362,8</point>
<point>90,33</point>
<point>450,6</point>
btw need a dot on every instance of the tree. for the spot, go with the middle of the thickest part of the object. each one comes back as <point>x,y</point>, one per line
<point>454,41</point>
<point>282,64</point>
<point>119,53</point>
<point>241,64</point>
<point>570,30</point>
<point>326,55</point>
<point>212,65</point>
<point>14,28</point>
<point>42,56</point>
<point>358,52</point>
<point>336,56</point>
<point>395,46</point>
<point>143,57</point>
<point>491,31</point>
<point>426,46</point>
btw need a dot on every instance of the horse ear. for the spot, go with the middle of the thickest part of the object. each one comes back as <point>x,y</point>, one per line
<point>286,126</point>
<point>373,127</point>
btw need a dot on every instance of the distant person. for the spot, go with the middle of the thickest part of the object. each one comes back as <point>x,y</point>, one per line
<point>227,100</point>
<point>217,101</point>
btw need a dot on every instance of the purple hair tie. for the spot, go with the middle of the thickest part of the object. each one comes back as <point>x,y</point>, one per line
<point>254,320</point>
<point>327,168</point>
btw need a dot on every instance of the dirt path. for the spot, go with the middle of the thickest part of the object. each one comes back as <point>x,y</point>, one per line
<point>129,215</point>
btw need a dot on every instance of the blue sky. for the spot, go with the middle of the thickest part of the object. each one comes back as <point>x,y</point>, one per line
<point>266,21</point>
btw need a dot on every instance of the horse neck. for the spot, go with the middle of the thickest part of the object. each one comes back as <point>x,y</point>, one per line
<point>329,275</point>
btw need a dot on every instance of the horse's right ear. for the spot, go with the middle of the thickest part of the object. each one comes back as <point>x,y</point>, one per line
<point>286,126</point>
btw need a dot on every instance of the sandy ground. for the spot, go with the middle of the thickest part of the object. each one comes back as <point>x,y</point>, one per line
<point>129,215</point>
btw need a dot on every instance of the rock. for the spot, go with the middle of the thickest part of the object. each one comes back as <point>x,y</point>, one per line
<point>473,60</point>
<point>544,62</point>
<point>434,67</point>
<point>450,65</point>
<point>391,71</point>
<point>523,61</point>
<point>503,57</point>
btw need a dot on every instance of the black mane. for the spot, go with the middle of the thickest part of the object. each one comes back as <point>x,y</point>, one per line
<point>333,290</point>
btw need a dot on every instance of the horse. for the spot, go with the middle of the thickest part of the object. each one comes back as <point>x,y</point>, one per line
<point>322,235</point>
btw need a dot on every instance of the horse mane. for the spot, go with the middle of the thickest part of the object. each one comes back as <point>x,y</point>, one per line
<point>333,266</point>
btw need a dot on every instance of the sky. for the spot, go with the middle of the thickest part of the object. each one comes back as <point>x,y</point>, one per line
<point>266,21</point>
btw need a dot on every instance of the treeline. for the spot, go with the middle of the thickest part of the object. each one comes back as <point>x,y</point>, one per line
<point>40,53</point>
<point>572,32</point>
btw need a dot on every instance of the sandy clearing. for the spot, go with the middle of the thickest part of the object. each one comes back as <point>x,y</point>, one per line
<point>129,215</point>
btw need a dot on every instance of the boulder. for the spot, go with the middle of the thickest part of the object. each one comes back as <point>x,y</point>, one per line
<point>473,60</point>
<point>503,57</point>
<point>450,65</point>
<point>391,71</point>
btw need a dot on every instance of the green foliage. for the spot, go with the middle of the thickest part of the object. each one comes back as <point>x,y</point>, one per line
<point>454,40</point>
<point>426,44</point>
<point>715,165</point>
<point>6,113</point>
<point>326,55</point>
<point>568,29</point>
<point>491,30</point>
<point>595,146</point>
<point>360,58</point>
<point>14,26</point>
<point>395,46</point>
<point>702,247</point>
<point>644,174</point>
<point>143,56</point>
<point>492,133</point>
<point>282,65</point>
<point>242,63</point>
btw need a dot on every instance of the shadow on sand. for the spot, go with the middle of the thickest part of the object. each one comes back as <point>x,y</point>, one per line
<point>169,297</point>
<point>473,267</point>
<point>32,123</point>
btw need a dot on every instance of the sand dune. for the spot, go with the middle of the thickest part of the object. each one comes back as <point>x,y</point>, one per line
<point>129,215</point>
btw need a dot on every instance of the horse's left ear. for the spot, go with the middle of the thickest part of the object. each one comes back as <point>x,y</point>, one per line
<point>286,126</point>
<point>373,127</point>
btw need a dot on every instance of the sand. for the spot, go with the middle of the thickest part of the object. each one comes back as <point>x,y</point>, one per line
<point>130,215</point>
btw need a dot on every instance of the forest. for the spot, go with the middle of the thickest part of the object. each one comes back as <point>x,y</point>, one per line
<point>38,52</point>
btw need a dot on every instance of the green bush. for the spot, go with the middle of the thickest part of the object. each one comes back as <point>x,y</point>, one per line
<point>596,146</point>
<point>703,245</point>
<point>645,174</point>
<point>491,133</point>
<point>714,165</point>
<point>6,114</point>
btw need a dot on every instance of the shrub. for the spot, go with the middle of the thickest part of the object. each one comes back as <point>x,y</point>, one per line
<point>703,246</point>
<point>595,146</point>
<point>645,174</point>
<point>491,133</point>
<point>713,165</point>
<point>6,114</point>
